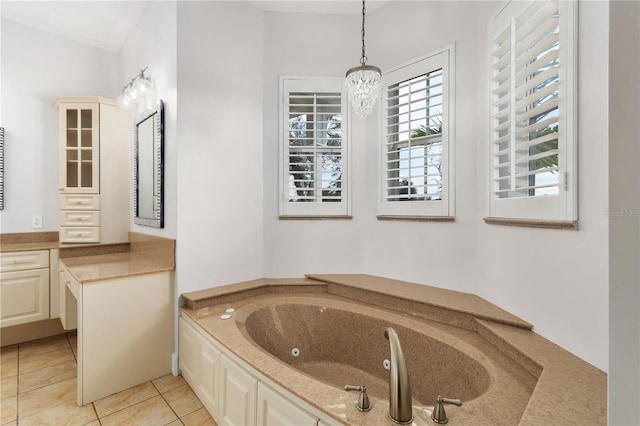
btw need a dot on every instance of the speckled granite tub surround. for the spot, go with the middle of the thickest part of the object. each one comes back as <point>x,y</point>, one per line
<point>531,380</point>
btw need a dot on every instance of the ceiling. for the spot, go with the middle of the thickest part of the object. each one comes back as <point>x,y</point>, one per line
<point>107,24</point>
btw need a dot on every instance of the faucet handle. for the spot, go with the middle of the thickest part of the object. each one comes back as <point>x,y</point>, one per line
<point>439,415</point>
<point>363,401</point>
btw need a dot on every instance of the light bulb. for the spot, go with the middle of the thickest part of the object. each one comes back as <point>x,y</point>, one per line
<point>124,102</point>
<point>142,85</point>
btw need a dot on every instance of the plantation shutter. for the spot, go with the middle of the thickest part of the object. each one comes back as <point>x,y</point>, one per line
<point>531,118</point>
<point>415,127</point>
<point>314,178</point>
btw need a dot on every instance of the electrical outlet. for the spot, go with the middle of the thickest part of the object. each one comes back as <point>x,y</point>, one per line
<point>36,221</point>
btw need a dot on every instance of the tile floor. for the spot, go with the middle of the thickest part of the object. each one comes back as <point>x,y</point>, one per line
<point>38,387</point>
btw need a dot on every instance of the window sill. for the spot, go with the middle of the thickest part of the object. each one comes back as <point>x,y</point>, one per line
<point>533,223</point>
<point>418,218</point>
<point>315,217</point>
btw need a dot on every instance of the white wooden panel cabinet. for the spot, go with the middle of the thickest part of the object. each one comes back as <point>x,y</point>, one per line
<point>125,333</point>
<point>276,410</point>
<point>232,392</point>
<point>24,287</point>
<point>94,163</point>
<point>238,390</point>
<point>68,306</point>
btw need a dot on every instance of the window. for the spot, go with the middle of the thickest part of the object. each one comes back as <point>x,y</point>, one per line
<point>314,177</point>
<point>417,148</point>
<point>533,79</point>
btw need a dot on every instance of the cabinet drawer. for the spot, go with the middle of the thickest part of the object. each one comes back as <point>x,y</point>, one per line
<point>79,234</point>
<point>22,260</point>
<point>79,202</point>
<point>79,218</point>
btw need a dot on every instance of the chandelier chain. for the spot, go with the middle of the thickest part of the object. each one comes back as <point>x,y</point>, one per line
<point>363,60</point>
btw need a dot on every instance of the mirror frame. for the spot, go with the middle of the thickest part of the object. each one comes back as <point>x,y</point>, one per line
<point>158,179</point>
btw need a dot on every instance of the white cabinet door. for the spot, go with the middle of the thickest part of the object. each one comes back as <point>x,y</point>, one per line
<point>189,349</point>
<point>237,392</point>
<point>24,296</point>
<point>276,410</point>
<point>209,364</point>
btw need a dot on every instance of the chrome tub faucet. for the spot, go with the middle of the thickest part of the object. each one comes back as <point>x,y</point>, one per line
<point>400,410</point>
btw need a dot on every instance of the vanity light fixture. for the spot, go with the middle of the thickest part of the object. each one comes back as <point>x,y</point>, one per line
<point>363,82</point>
<point>138,88</point>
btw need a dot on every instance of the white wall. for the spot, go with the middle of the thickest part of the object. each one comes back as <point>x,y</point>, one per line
<point>310,45</point>
<point>153,44</point>
<point>435,253</point>
<point>558,280</point>
<point>566,298</point>
<point>37,67</point>
<point>219,144</point>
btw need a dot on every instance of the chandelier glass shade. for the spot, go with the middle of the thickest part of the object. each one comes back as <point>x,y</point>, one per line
<point>363,87</point>
<point>363,82</point>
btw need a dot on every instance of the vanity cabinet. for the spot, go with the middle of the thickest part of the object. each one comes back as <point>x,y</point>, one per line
<point>125,331</point>
<point>233,392</point>
<point>24,287</point>
<point>67,302</point>
<point>94,170</point>
<point>28,286</point>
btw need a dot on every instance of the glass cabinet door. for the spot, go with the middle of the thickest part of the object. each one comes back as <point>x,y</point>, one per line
<point>80,159</point>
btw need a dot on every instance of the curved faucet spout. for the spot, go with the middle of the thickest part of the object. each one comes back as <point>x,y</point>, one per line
<point>399,385</point>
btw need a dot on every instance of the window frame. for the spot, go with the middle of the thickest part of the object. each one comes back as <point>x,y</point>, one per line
<point>444,208</point>
<point>302,210</point>
<point>529,210</point>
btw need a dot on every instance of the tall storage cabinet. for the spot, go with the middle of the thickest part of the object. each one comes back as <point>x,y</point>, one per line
<point>94,170</point>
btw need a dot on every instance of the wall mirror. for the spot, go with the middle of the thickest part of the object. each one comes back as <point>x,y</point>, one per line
<point>148,173</point>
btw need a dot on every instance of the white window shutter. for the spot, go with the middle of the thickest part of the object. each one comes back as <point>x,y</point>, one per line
<point>533,111</point>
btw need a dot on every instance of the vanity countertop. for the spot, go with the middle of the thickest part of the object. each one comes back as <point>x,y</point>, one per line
<point>143,254</point>
<point>28,241</point>
<point>115,265</point>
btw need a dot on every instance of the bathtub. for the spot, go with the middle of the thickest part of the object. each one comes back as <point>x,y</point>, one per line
<point>312,345</point>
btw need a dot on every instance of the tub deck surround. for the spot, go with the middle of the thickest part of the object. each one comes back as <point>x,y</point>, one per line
<point>543,383</point>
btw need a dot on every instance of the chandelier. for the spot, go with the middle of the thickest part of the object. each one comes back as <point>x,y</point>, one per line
<point>363,82</point>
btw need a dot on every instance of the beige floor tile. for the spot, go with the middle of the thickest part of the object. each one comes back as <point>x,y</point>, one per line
<point>46,397</point>
<point>200,417</point>
<point>68,413</point>
<point>9,367</point>
<point>124,399</point>
<point>41,346</point>
<point>47,376</point>
<point>8,387</point>
<point>93,423</point>
<point>168,382</point>
<point>8,353</point>
<point>182,400</point>
<point>8,409</point>
<point>34,362</point>
<point>176,422</point>
<point>152,412</point>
